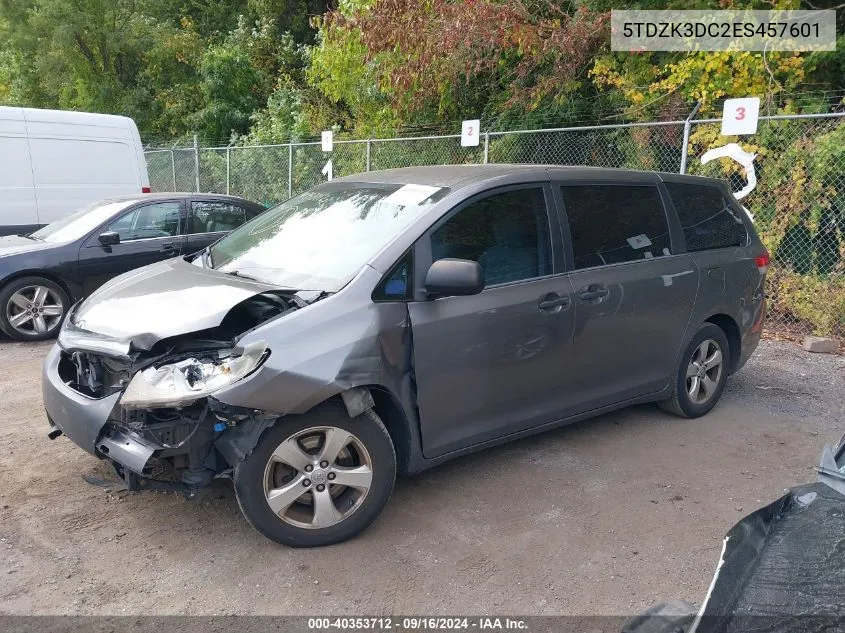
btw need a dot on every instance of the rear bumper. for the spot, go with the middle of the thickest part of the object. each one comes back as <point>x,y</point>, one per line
<point>751,338</point>
<point>749,344</point>
<point>79,417</point>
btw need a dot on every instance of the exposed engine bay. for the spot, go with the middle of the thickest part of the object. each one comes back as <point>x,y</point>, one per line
<point>163,431</point>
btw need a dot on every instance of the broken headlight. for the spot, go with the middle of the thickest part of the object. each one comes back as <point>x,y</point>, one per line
<point>183,382</point>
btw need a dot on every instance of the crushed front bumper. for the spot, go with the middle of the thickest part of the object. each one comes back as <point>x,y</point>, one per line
<point>189,447</point>
<point>79,417</point>
<point>84,420</point>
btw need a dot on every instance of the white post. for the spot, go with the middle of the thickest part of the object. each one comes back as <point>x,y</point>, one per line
<point>290,170</point>
<point>228,167</point>
<point>173,168</point>
<point>196,164</point>
<point>687,126</point>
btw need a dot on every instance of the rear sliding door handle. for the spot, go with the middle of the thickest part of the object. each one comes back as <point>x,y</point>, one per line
<point>593,293</point>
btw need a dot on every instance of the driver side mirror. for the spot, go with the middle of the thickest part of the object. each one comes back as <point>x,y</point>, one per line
<point>109,238</point>
<point>454,277</point>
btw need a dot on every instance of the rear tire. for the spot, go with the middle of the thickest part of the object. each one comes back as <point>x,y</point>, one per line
<point>702,374</point>
<point>327,476</point>
<point>32,309</point>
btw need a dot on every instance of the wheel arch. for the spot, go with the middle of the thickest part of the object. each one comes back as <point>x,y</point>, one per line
<point>240,441</point>
<point>68,289</point>
<point>388,408</point>
<point>731,329</point>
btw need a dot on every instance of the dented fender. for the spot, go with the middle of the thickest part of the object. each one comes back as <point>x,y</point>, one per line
<point>334,345</point>
<point>325,350</point>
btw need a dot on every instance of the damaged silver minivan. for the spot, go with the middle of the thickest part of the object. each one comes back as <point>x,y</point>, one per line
<point>386,322</point>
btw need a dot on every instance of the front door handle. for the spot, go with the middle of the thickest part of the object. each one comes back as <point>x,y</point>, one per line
<point>593,292</point>
<point>169,247</point>
<point>553,302</point>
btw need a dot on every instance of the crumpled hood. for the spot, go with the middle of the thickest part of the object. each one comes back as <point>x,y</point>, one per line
<point>14,245</point>
<point>162,300</point>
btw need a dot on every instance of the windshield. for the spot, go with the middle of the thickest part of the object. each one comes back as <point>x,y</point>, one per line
<point>320,239</point>
<point>81,222</point>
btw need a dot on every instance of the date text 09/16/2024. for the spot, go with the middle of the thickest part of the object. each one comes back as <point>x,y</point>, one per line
<point>418,623</point>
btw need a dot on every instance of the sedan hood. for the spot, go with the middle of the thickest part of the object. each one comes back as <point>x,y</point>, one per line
<point>163,300</point>
<point>14,245</point>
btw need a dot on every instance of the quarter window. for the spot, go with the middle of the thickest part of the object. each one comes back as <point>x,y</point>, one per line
<point>214,217</point>
<point>506,233</point>
<point>396,286</point>
<point>612,224</point>
<point>148,221</point>
<point>709,218</point>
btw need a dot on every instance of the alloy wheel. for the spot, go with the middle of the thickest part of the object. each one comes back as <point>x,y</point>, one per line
<point>318,477</point>
<point>34,310</point>
<point>704,371</point>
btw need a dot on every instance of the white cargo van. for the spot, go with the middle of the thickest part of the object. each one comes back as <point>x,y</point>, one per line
<point>53,162</point>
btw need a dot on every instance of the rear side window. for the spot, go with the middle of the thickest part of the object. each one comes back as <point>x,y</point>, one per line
<point>708,216</point>
<point>612,224</point>
<point>214,217</point>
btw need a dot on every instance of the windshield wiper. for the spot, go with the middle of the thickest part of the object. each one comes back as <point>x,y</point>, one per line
<point>206,257</point>
<point>236,273</point>
<point>28,236</point>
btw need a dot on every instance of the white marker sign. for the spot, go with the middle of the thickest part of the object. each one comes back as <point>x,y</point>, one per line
<point>739,116</point>
<point>327,170</point>
<point>328,140</point>
<point>469,133</point>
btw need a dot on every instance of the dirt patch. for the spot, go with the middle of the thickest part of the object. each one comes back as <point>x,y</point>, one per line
<point>602,517</point>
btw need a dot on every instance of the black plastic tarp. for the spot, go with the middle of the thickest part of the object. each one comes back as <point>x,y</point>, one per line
<point>783,568</point>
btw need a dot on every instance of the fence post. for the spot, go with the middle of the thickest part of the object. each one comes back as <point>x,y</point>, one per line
<point>290,169</point>
<point>368,154</point>
<point>173,168</point>
<point>196,164</point>
<point>687,126</point>
<point>486,146</point>
<point>228,167</point>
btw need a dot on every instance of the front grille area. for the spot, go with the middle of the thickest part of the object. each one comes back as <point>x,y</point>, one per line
<point>92,375</point>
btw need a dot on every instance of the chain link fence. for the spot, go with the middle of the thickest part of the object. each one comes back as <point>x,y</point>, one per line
<point>798,202</point>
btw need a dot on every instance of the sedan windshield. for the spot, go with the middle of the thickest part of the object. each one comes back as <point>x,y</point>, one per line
<point>81,222</point>
<point>320,239</point>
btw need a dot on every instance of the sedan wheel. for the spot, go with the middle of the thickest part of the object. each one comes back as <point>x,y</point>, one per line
<point>32,309</point>
<point>317,478</point>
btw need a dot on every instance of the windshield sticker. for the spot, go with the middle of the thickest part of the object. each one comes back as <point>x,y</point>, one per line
<point>410,195</point>
<point>639,241</point>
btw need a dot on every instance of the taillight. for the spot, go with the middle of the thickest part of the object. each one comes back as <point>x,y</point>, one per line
<point>145,190</point>
<point>762,262</point>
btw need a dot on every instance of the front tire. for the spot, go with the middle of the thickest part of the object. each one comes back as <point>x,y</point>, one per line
<point>702,374</point>
<point>32,309</point>
<point>318,478</point>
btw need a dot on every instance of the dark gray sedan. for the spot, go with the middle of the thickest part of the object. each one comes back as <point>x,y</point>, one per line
<point>389,321</point>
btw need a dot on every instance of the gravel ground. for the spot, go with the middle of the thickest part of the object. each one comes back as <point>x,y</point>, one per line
<point>603,517</point>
